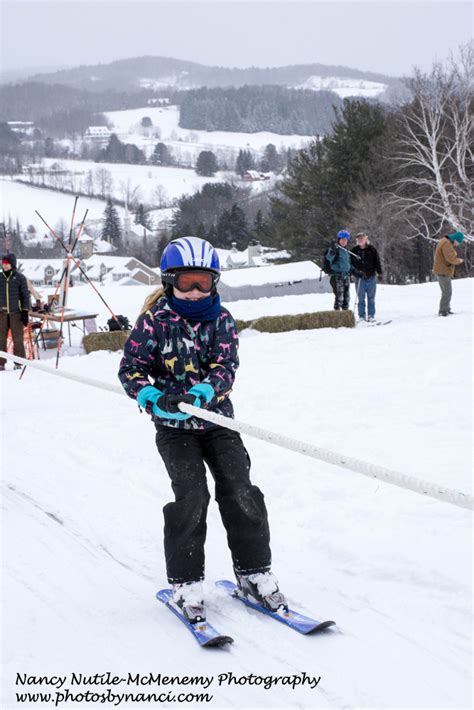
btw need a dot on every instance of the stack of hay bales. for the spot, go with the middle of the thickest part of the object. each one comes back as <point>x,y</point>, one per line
<point>303,321</point>
<point>115,340</point>
<point>112,340</point>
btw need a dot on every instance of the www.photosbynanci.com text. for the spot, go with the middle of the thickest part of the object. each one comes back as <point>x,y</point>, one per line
<point>144,687</point>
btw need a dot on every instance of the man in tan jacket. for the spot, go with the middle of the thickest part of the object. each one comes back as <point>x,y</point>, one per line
<point>445,261</point>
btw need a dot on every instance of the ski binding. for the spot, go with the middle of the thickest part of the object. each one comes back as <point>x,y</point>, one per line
<point>205,634</point>
<point>293,619</point>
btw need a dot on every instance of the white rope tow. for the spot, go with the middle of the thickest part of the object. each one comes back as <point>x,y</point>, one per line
<point>412,483</point>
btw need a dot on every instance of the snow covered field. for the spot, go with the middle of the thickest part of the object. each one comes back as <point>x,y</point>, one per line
<point>144,183</point>
<point>140,182</point>
<point>167,120</point>
<point>82,524</point>
<point>20,201</point>
<point>344,86</point>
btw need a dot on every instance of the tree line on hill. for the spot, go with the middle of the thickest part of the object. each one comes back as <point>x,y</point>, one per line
<point>250,109</point>
<point>55,104</point>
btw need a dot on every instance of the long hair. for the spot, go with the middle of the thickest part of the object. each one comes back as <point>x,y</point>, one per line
<point>152,298</point>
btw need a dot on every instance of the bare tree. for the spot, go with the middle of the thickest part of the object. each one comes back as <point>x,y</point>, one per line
<point>160,196</point>
<point>104,181</point>
<point>131,195</point>
<point>402,259</point>
<point>435,149</point>
<point>88,183</point>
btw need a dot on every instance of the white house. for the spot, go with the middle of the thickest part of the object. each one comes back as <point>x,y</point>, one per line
<point>27,127</point>
<point>97,135</point>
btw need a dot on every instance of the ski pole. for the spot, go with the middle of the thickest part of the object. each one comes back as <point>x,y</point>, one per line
<point>77,263</point>
<point>338,246</point>
<point>432,490</point>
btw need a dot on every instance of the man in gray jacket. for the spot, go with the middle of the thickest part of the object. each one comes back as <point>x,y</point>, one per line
<point>14,307</point>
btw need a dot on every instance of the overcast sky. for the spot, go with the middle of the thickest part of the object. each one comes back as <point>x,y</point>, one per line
<point>387,37</point>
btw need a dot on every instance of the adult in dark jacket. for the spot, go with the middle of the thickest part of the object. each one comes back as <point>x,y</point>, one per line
<point>186,343</point>
<point>14,306</point>
<point>367,262</point>
<point>341,268</point>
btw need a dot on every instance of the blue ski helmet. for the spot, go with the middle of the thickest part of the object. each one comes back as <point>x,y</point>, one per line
<point>343,234</point>
<point>190,253</point>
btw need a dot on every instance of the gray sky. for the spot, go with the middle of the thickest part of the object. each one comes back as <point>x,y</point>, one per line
<point>388,37</point>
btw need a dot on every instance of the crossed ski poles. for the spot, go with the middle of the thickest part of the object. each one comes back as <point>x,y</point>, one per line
<point>65,274</point>
<point>69,249</point>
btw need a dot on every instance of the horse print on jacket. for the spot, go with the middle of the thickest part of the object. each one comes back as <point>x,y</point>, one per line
<point>164,349</point>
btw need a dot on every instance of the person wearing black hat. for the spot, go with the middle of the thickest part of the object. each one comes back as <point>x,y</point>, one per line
<point>14,307</point>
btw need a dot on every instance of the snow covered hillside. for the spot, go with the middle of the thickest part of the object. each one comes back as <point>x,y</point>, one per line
<point>344,86</point>
<point>83,489</point>
<point>166,119</point>
<point>141,182</point>
<point>20,201</point>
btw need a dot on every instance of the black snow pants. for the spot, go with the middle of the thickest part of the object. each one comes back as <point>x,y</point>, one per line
<point>341,285</point>
<point>241,504</point>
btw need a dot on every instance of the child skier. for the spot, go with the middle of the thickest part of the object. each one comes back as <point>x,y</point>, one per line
<point>186,343</point>
<point>339,265</point>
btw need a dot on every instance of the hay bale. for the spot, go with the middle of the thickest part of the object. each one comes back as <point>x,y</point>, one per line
<point>242,324</point>
<point>303,321</point>
<point>114,340</point>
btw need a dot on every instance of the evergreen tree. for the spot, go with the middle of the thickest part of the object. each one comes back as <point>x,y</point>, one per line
<point>161,155</point>
<point>259,108</point>
<point>132,154</point>
<point>271,160</point>
<point>9,141</point>
<point>244,162</point>
<point>114,152</point>
<point>204,206</point>
<point>325,178</point>
<point>142,217</point>
<point>206,163</point>
<point>111,230</point>
<point>232,227</point>
<point>261,228</point>
<point>49,148</point>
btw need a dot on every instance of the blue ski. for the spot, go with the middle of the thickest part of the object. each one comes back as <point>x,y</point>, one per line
<point>204,633</point>
<point>291,618</point>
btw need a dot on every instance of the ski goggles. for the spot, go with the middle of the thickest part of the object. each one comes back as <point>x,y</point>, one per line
<point>186,281</point>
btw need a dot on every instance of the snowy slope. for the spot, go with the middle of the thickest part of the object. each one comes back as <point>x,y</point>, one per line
<point>84,487</point>
<point>18,200</point>
<point>167,120</point>
<point>344,86</point>
<point>140,181</point>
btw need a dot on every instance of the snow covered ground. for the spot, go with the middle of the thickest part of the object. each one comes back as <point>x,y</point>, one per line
<point>144,183</point>
<point>83,489</point>
<point>167,120</point>
<point>20,201</point>
<point>141,182</point>
<point>344,86</point>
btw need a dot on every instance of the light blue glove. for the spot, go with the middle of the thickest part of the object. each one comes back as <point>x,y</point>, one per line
<point>153,394</point>
<point>203,392</point>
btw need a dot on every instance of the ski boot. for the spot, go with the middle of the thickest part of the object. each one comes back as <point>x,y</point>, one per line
<point>189,599</point>
<point>262,588</point>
